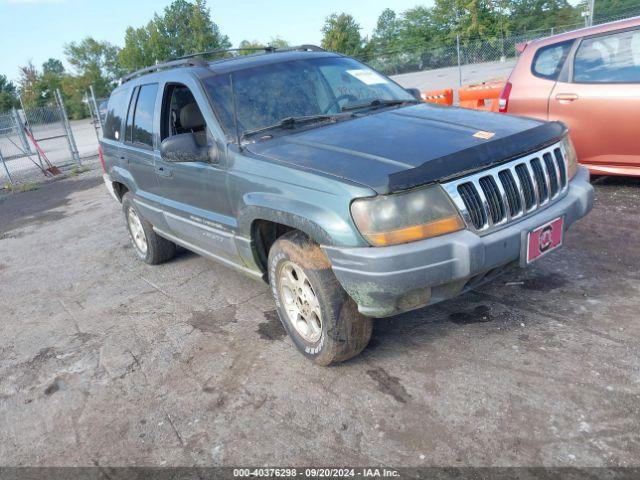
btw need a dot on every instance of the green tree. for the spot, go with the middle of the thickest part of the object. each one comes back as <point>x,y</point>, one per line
<point>96,63</point>
<point>467,18</point>
<point>49,80</point>
<point>278,42</point>
<point>386,34</point>
<point>341,34</point>
<point>183,28</point>
<point>417,29</point>
<point>28,84</point>
<point>609,9</point>
<point>248,47</point>
<point>528,15</point>
<point>8,94</point>
<point>53,66</point>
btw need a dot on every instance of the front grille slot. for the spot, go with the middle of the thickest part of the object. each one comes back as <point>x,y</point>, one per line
<point>553,174</point>
<point>511,190</point>
<point>527,186</point>
<point>561,167</point>
<point>494,199</point>
<point>473,203</point>
<point>541,182</point>
<point>501,194</point>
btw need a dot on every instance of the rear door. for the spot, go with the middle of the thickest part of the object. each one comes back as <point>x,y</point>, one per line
<point>139,149</point>
<point>112,136</point>
<point>600,100</point>
<point>531,90</point>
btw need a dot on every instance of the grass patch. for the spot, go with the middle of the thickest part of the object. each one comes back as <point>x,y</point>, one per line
<point>75,171</point>
<point>21,187</point>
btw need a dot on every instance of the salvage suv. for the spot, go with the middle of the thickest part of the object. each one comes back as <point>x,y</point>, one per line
<point>331,182</point>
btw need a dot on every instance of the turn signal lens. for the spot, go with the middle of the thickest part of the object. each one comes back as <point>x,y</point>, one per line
<point>571,156</point>
<point>417,232</point>
<point>406,217</point>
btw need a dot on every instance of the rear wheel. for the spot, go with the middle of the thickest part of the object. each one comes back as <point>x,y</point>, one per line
<point>321,319</point>
<point>148,245</point>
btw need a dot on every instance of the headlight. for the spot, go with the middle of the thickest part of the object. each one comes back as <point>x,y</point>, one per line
<point>406,217</point>
<point>572,158</point>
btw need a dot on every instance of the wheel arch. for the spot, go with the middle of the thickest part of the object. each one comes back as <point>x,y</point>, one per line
<point>264,226</point>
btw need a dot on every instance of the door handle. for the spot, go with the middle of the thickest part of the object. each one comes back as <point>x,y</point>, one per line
<point>566,97</point>
<point>164,171</point>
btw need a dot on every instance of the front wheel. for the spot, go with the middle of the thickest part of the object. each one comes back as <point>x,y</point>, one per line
<point>321,319</point>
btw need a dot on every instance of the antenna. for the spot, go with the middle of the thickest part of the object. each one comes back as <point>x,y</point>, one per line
<point>235,110</point>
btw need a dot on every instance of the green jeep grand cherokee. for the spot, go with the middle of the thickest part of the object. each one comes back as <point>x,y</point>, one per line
<point>325,178</point>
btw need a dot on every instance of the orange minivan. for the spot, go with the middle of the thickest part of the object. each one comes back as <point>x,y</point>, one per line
<point>590,80</point>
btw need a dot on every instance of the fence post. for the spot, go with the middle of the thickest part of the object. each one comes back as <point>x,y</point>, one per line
<point>6,169</point>
<point>20,128</point>
<point>459,64</point>
<point>95,114</point>
<point>95,106</point>
<point>65,122</point>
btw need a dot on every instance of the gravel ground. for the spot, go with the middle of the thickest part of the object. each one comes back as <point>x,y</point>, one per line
<point>107,361</point>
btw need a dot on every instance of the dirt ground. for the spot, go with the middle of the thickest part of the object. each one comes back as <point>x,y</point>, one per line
<point>107,361</point>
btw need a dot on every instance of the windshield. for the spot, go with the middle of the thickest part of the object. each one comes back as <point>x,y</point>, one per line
<point>268,94</point>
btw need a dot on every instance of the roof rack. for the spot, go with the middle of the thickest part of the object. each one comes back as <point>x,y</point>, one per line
<point>197,59</point>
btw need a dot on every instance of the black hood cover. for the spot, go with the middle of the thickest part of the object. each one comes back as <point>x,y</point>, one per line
<point>402,148</point>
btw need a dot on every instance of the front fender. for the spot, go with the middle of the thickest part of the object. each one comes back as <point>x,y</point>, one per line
<point>327,222</point>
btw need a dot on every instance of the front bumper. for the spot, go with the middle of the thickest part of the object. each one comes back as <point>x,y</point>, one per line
<point>386,281</point>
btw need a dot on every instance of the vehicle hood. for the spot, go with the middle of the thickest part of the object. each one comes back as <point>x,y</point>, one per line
<point>402,148</point>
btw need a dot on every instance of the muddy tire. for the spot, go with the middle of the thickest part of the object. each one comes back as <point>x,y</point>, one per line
<point>147,244</point>
<point>321,319</point>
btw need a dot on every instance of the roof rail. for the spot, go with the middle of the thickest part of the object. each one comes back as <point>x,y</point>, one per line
<point>197,59</point>
<point>267,49</point>
<point>303,48</point>
<point>228,50</point>
<point>180,62</point>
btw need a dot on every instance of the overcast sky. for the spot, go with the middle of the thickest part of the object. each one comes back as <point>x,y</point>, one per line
<point>38,29</point>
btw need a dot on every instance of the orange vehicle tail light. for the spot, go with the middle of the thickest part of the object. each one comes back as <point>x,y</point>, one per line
<point>503,103</point>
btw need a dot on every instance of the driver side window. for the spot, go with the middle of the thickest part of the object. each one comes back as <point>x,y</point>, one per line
<point>181,114</point>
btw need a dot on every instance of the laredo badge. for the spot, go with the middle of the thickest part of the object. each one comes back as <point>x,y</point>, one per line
<point>483,135</point>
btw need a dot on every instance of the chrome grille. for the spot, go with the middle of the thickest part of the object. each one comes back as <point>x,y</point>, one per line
<point>495,197</point>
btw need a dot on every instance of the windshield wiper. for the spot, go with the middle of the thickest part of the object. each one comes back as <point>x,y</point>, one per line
<point>289,122</point>
<point>378,102</point>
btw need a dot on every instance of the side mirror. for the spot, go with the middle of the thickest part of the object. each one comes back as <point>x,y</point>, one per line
<point>184,148</point>
<point>415,93</point>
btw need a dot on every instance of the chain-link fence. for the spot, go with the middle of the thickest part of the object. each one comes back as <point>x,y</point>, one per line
<point>40,141</point>
<point>36,142</point>
<point>458,52</point>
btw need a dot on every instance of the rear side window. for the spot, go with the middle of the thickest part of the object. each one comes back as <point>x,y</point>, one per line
<point>140,116</point>
<point>115,112</point>
<point>549,60</point>
<point>609,59</point>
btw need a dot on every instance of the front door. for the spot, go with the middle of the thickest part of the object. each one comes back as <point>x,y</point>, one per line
<point>601,101</point>
<point>195,202</point>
